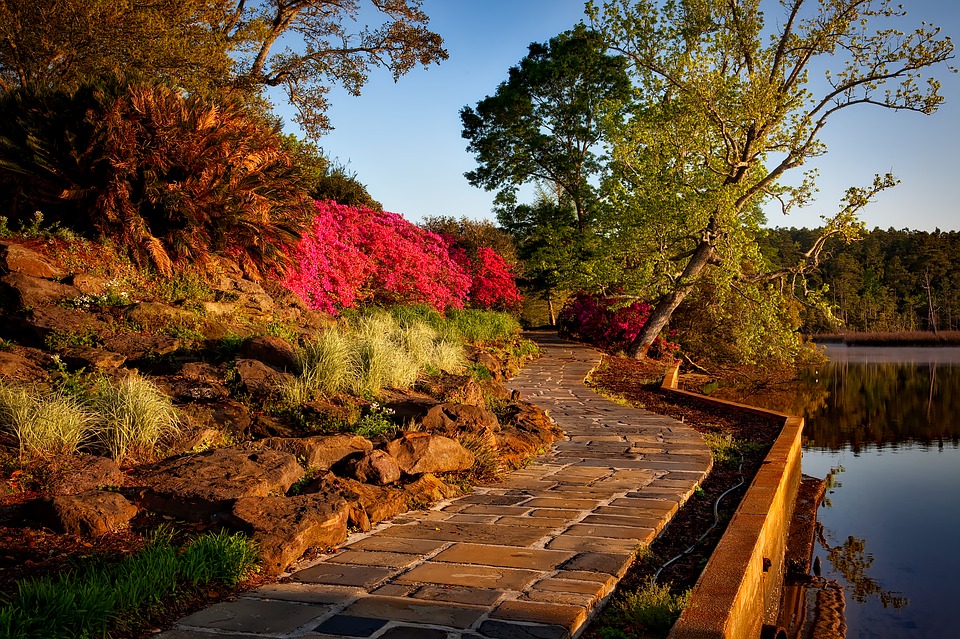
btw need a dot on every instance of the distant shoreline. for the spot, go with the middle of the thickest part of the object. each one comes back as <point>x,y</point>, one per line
<point>906,338</point>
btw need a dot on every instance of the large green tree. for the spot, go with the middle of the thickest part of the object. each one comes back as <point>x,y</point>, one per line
<point>543,124</point>
<point>301,47</point>
<point>731,98</point>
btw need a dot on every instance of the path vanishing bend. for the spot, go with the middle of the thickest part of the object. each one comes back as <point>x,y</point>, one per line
<point>531,557</point>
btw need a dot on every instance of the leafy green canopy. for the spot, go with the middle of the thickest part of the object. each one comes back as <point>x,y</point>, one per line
<point>543,122</point>
<point>726,105</point>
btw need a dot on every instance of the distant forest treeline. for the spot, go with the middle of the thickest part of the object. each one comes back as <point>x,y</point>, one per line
<point>888,281</point>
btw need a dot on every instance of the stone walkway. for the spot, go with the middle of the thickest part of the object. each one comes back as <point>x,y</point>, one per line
<point>532,557</point>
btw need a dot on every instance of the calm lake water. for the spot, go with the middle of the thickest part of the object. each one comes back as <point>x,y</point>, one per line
<point>887,434</point>
<point>883,426</point>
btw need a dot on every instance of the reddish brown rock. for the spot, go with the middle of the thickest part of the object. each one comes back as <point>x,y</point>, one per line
<point>428,489</point>
<point>319,452</point>
<point>92,358</point>
<point>273,351</point>
<point>87,472</point>
<point>47,322</point>
<point>425,453</point>
<point>34,291</point>
<point>198,486</point>
<point>91,513</point>
<point>454,419</point>
<point>89,284</point>
<point>17,367</point>
<point>257,377</point>
<point>370,504</point>
<point>373,467</point>
<point>283,528</point>
<point>137,346</point>
<point>15,258</point>
<point>151,316</point>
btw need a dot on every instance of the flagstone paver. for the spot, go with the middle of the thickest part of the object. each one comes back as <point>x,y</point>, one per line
<point>533,556</point>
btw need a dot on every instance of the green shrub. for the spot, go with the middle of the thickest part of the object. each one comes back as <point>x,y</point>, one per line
<point>134,416</point>
<point>653,607</point>
<point>378,421</point>
<point>45,423</point>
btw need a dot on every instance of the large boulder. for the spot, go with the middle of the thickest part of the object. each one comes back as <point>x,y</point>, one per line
<point>154,316</point>
<point>244,295</point>
<point>283,528</point>
<point>89,284</point>
<point>136,346</point>
<point>373,467</point>
<point>70,326</point>
<point>35,291</point>
<point>419,453</point>
<point>454,419</point>
<point>91,513</point>
<point>274,351</point>
<point>87,472</point>
<point>15,258</point>
<point>320,452</point>
<point>14,366</point>
<point>429,489</point>
<point>368,504</point>
<point>525,431</point>
<point>258,378</point>
<point>199,486</point>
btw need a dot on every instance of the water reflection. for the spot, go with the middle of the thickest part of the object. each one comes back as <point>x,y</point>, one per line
<point>886,405</point>
<point>889,524</point>
<point>888,418</point>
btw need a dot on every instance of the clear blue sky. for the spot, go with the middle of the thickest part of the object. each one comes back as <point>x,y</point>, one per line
<point>403,140</point>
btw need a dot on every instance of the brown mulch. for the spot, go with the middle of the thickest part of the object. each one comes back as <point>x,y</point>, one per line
<point>618,376</point>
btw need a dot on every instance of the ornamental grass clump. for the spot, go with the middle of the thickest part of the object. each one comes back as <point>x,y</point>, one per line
<point>380,356</point>
<point>481,327</point>
<point>325,363</point>
<point>369,352</point>
<point>44,423</point>
<point>135,415</point>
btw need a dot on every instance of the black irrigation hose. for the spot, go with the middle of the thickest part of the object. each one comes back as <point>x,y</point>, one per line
<point>716,522</point>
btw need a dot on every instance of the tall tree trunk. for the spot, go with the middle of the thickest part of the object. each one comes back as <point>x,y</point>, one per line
<point>669,302</point>
<point>553,317</point>
<point>931,312</point>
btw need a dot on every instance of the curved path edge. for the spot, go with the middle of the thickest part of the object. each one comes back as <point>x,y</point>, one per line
<point>533,556</point>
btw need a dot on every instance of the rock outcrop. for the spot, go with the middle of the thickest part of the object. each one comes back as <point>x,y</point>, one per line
<point>237,462</point>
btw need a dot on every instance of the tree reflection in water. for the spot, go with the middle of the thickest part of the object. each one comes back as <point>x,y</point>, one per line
<point>851,560</point>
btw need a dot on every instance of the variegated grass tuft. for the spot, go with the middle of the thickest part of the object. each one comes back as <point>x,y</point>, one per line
<point>45,423</point>
<point>135,415</point>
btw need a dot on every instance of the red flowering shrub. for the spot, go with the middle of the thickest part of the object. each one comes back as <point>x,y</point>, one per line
<point>352,255</point>
<point>608,323</point>
<point>492,285</point>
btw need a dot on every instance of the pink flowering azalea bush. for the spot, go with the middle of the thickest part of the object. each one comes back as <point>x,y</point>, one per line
<point>492,285</point>
<point>609,323</point>
<point>355,255</point>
